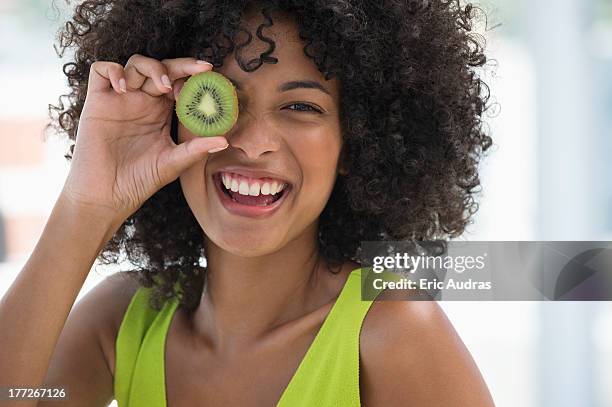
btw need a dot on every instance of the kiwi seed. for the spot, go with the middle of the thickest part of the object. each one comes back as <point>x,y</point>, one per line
<point>207,104</point>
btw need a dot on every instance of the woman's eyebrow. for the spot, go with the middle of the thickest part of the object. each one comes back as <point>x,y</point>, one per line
<point>287,86</point>
<point>307,84</point>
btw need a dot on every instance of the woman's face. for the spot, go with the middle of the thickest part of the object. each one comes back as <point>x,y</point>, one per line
<point>279,133</point>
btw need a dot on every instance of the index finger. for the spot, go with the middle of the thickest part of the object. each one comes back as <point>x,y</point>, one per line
<point>184,67</point>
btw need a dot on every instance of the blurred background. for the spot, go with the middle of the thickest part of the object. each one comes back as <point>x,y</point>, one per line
<point>547,178</point>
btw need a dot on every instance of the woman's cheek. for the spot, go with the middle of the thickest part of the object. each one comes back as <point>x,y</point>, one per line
<point>319,175</point>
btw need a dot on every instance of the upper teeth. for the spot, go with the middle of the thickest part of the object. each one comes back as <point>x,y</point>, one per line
<point>253,187</point>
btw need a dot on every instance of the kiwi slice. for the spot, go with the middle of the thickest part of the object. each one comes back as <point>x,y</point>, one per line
<point>208,105</point>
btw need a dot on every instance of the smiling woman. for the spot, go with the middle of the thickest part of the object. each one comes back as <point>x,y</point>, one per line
<point>358,121</point>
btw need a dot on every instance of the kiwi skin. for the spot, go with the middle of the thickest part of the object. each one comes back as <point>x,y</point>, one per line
<point>188,98</point>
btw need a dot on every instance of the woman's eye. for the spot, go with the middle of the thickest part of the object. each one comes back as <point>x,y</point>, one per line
<point>303,108</point>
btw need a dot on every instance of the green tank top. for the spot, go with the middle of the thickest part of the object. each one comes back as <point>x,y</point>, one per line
<point>328,374</point>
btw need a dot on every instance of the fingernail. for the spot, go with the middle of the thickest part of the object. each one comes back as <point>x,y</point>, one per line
<point>122,85</point>
<point>214,150</point>
<point>199,61</point>
<point>166,81</point>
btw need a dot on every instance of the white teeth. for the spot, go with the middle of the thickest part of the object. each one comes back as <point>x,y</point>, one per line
<point>226,181</point>
<point>244,188</point>
<point>234,186</point>
<point>241,185</point>
<point>254,190</point>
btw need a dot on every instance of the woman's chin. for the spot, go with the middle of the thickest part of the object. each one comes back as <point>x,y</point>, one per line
<point>252,243</point>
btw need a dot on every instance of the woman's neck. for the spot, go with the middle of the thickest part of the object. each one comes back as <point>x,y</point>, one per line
<point>246,297</point>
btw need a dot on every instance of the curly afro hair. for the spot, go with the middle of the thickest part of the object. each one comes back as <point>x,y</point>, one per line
<point>412,104</point>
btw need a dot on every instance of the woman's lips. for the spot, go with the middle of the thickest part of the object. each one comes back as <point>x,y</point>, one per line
<point>251,206</point>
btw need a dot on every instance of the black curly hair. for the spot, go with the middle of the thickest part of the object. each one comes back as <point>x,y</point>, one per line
<point>412,103</point>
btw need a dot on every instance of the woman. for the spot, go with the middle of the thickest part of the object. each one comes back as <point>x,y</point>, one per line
<point>367,114</point>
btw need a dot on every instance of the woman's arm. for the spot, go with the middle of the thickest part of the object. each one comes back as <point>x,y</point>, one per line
<point>84,358</point>
<point>35,308</point>
<point>412,356</point>
<point>124,154</point>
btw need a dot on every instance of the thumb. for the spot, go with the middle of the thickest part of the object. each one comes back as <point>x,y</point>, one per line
<point>186,154</point>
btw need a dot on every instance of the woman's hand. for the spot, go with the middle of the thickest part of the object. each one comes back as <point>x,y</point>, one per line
<point>124,152</point>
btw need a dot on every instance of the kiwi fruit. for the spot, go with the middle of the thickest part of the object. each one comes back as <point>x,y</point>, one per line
<point>208,104</point>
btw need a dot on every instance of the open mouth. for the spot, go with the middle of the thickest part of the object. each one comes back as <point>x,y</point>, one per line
<point>262,193</point>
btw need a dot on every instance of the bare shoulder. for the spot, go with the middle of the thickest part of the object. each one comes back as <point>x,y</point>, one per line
<point>83,357</point>
<point>111,298</point>
<point>411,353</point>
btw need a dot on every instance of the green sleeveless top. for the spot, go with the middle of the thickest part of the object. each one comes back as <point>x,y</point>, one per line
<point>328,375</point>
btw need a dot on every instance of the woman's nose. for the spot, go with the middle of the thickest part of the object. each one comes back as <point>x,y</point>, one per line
<point>254,138</point>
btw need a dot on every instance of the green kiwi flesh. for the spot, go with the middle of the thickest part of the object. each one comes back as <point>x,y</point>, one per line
<point>207,104</point>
